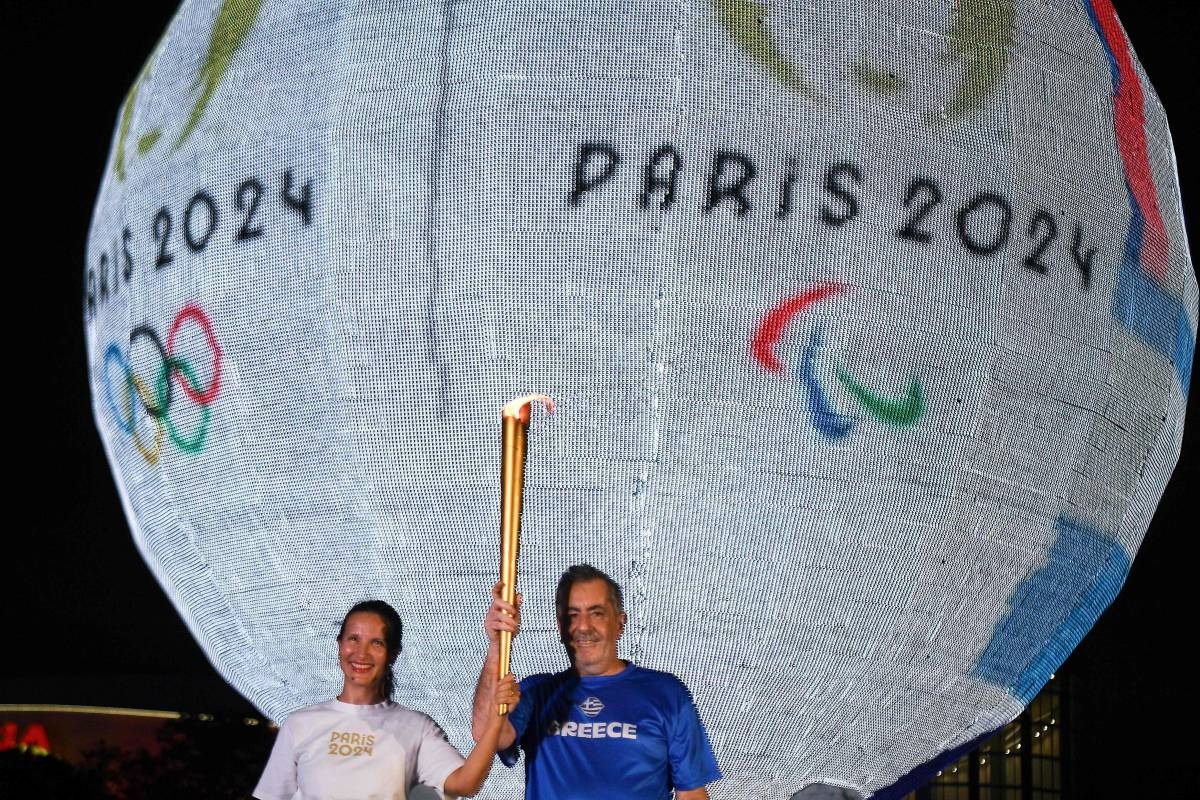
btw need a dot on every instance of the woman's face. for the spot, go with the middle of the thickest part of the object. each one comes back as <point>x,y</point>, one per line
<point>362,651</point>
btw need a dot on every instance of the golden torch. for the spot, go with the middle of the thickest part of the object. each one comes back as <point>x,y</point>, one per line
<point>512,489</point>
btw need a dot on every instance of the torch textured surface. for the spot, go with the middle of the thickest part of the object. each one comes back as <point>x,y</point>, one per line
<point>871,325</point>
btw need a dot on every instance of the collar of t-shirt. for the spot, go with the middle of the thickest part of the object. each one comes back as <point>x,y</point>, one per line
<point>600,681</point>
<point>361,710</point>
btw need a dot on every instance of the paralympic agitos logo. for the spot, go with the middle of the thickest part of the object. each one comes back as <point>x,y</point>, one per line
<point>142,402</point>
<point>901,412</point>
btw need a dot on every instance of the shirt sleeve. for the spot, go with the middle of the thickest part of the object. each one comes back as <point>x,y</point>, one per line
<point>519,718</point>
<point>692,761</point>
<point>436,758</point>
<point>278,781</point>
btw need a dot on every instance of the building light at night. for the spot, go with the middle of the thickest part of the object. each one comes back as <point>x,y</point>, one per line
<point>1030,759</point>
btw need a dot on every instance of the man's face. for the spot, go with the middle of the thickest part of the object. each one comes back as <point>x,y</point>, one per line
<point>592,627</point>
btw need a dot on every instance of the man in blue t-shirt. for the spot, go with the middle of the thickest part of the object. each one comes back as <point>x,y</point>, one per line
<point>605,727</point>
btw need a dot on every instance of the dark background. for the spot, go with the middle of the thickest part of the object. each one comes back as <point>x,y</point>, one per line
<point>85,622</point>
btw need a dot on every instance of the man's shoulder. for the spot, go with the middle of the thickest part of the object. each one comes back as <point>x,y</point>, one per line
<point>666,680</point>
<point>547,681</point>
<point>542,678</point>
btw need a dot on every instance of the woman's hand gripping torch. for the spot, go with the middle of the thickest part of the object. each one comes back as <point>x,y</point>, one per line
<point>512,489</point>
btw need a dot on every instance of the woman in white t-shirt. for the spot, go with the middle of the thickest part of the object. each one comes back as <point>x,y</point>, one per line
<point>363,745</point>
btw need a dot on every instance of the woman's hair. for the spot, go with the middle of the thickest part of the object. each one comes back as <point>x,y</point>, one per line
<point>393,634</point>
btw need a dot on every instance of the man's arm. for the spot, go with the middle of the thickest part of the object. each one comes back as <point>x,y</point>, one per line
<point>689,751</point>
<point>501,616</point>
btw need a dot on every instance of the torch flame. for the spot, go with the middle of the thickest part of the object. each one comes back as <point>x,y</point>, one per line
<point>519,407</point>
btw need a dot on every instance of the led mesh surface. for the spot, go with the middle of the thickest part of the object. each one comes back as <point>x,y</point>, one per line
<point>871,327</point>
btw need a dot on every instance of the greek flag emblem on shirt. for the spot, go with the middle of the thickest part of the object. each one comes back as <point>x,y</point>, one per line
<point>592,706</point>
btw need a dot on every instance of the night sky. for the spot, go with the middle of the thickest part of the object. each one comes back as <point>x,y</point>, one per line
<point>85,621</point>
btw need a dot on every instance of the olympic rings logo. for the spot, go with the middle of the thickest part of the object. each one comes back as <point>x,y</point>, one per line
<point>157,394</point>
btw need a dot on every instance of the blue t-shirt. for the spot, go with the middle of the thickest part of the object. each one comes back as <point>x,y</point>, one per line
<point>632,735</point>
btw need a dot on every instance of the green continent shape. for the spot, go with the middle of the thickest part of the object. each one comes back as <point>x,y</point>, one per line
<point>119,163</point>
<point>745,21</point>
<point>903,412</point>
<point>123,129</point>
<point>147,140</point>
<point>234,21</point>
<point>879,79</point>
<point>981,38</point>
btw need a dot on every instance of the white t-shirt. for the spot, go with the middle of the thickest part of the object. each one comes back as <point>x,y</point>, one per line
<point>340,751</point>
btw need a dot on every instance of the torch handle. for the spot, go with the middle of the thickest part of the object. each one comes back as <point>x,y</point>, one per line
<point>512,485</point>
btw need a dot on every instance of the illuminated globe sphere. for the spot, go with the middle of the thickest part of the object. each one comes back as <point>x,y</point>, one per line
<point>870,325</point>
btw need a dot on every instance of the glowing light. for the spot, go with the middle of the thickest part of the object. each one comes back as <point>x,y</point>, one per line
<point>39,708</point>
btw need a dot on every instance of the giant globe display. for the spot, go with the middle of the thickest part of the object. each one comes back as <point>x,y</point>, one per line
<point>870,326</point>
